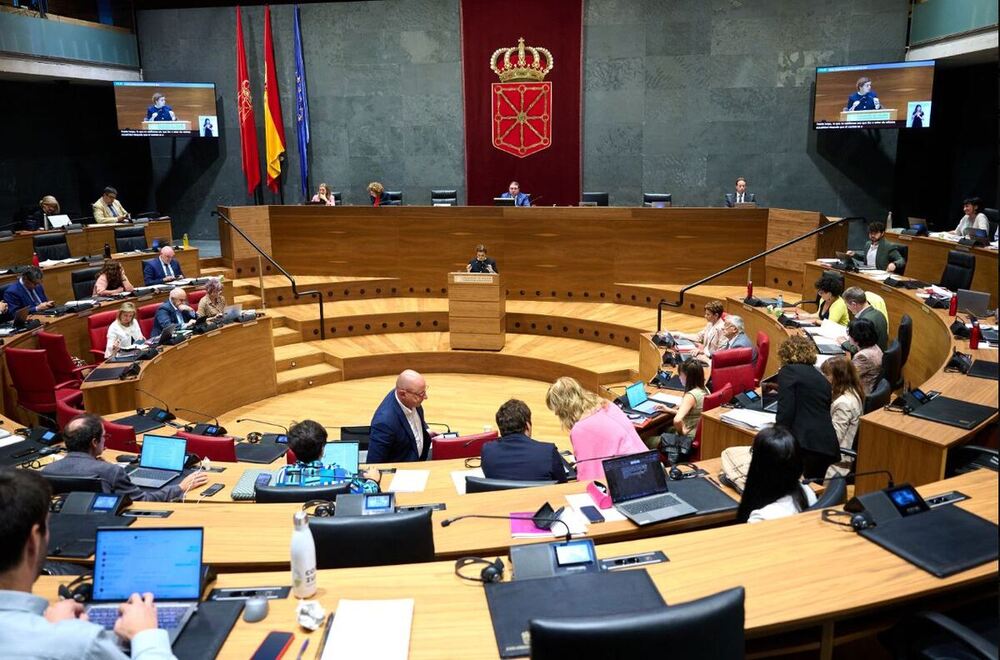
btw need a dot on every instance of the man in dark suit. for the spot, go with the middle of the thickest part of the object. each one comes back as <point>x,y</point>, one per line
<point>514,192</point>
<point>515,455</point>
<point>482,263</point>
<point>741,196</point>
<point>163,269</point>
<point>174,310</point>
<point>84,439</point>
<point>28,292</point>
<point>857,305</point>
<point>880,253</point>
<point>399,432</point>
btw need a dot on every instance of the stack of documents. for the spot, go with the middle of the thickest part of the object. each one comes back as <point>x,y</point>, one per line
<point>754,420</point>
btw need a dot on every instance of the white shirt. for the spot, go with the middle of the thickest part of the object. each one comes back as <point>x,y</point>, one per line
<point>979,222</point>
<point>782,507</point>
<point>126,336</point>
<point>414,420</point>
<point>870,257</point>
<point>168,267</point>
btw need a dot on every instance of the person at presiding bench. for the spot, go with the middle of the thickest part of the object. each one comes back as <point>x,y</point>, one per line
<point>880,253</point>
<point>677,445</point>
<point>973,218</point>
<point>28,292</point>
<point>847,407</point>
<point>515,455</point>
<point>597,428</point>
<point>162,269</point>
<point>482,263</point>
<point>711,338</point>
<point>868,356</point>
<point>84,439</point>
<point>213,303</point>
<point>377,194</point>
<point>741,196</point>
<point>514,192</point>
<point>398,430</point>
<point>108,209</point>
<point>124,332</point>
<point>112,279</point>
<point>29,626</point>
<point>324,195</point>
<point>860,307</point>
<point>174,311</point>
<point>774,488</point>
<point>35,221</point>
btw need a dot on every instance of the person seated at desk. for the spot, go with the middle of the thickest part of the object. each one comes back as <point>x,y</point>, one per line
<point>711,338</point>
<point>868,356</point>
<point>124,332</point>
<point>514,192</point>
<point>213,303</point>
<point>774,488</point>
<point>516,455</point>
<point>974,218</point>
<point>160,111</point>
<point>846,410</point>
<point>860,307</point>
<point>741,196</point>
<point>735,334</point>
<point>162,269</point>
<point>108,209</point>
<point>28,292</point>
<point>597,428</point>
<point>35,221</point>
<point>324,195</point>
<point>84,439</point>
<point>830,288</point>
<point>804,399</point>
<point>377,194</point>
<point>174,311</point>
<point>880,253</point>
<point>399,432</point>
<point>482,263</point>
<point>5,315</point>
<point>865,98</point>
<point>112,279</point>
<point>29,626</point>
<point>676,445</point>
<point>307,439</point>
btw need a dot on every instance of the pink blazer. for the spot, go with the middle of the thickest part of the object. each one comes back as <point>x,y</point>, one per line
<point>607,432</point>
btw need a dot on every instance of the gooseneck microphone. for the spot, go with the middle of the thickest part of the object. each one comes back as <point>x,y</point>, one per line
<point>258,421</point>
<point>569,536</point>
<point>819,480</point>
<point>198,412</point>
<point>446,427</point>
<point>170,415</point>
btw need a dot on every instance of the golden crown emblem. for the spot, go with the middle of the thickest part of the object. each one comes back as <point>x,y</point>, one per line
<point>521,69</point>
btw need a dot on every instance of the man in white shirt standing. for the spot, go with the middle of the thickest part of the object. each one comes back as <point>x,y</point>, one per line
<point>741,196</point>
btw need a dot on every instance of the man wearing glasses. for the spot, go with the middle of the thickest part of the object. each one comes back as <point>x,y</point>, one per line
<point>399,432</point>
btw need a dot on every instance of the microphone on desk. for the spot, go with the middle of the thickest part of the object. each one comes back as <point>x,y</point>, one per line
<point>193,428</point>
<point>569,536</point>
<point>166,407</point>
<point>820,480</point>
<point>446,427</point>
<point>258,421</point>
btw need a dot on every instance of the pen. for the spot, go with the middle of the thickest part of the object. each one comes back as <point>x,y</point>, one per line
<point>302,649</point>
<point>326,633</point>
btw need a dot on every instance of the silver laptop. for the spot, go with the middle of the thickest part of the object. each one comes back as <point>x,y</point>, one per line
<point>161,461</point>
<point>638,400</point>
<point>174,578</point>
<point>638,488</point>
<point>232,313</point>
<point>976,303</point>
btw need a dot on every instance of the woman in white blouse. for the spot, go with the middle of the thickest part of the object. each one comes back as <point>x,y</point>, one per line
<point>711,338</point>
<point>774,488</point>
<point>973,217</point>
<point>124,333</point>
<point>846,409</point>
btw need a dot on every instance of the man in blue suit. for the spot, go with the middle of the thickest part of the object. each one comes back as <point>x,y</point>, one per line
<point>162,269</point>
<point>514,191</point>
<point>28,292</point>
<point>515,455</point>
<point>174,311</point>
<point>399,433</point>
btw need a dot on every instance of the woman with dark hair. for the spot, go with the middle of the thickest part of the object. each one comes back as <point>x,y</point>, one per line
<point>868,359</point>
<point>973,218</point>
<point>829,287</point>
<point>774,488</point>
<point>917,118</point>
<point>847,407</point>
<point>112,279</point>
<point>687,415</point>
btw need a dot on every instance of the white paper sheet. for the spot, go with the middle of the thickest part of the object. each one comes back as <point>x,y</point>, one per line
<point>458,478</point>
<point>9,440</point>
<point>370,628</point>
<point>580,500</point>
<point>409,481</point>
<point>668,399</point>
<point>750,419</point>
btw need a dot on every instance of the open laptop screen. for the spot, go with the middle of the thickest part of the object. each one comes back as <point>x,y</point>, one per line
<point>637,475</point>
<point>342,454</point>
<point>163,452</point>
<point>124,564</point>
<point>636,394</point>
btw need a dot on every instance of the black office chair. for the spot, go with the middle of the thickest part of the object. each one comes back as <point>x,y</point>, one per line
<point>966,458</point>
<point>61,484</point>
<point>904,251</point>
<point>833,495</point>
<point>878,397</point>
<point>395,198</point>
<point>449,197</point>
<point>958,271</point>
<point>648,199</point>
<point>390,538</point>
<point>6,233</point>
<point>358,434</point>
<point>130,238</point>
<point>707,628</point>
<point>904,335</point>
<point>892,364</point>
<point>484,485</point>
<point>967,633</point>
<point>993,215</point>
<point>338,198</point>
<point>83,282</point>
<point>599,198</point>
<point>53,246</point>
<point>272,494</point>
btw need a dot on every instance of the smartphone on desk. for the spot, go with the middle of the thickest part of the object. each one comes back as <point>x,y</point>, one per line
<point>273,646</point>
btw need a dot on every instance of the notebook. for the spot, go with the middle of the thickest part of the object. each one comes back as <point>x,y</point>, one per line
<point>161,461</point>
<point>954,412</point>
<point>174,578</point>
<point>638,401</point>
<point>638,488</point>
<point>984,369</point>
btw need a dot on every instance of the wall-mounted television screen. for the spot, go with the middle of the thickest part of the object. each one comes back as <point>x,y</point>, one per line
<point>166,109</point>
<point>891,95</point>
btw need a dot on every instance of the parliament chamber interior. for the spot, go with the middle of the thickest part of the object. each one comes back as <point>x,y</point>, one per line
<point>455,329</point>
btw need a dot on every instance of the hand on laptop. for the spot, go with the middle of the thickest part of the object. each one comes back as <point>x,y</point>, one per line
<point>194,480</point>
<point>63,610</point>
<point>137,615</point>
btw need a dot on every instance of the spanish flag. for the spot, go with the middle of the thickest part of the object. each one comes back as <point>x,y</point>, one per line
<point>274,129</point>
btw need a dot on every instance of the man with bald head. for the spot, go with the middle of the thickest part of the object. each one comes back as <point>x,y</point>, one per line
<point>399,433</point>
<point>163,269</point>
<point>175,311</point>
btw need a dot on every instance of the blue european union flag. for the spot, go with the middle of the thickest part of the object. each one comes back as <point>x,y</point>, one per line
<point>301,108</point>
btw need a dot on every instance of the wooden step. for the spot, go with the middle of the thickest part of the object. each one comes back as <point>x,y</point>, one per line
<point>216,271</point>
<point>293,356</point>
<point>248,301</point>
<point>312,375</point>
<point>285,336</point>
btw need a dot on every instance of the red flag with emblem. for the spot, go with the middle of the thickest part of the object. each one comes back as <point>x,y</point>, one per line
<point>244,105</point>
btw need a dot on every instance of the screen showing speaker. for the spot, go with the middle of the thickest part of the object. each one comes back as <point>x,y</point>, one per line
<point>166,109</point>
<point>888,95</point>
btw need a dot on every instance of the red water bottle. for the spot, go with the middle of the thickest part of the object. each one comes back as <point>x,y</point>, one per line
<point>953,305</point>
<point>34,259</point>
<point>749,288</point>
<point>974,335</point>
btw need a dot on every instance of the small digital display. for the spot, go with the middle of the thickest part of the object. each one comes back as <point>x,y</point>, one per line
<point>211,430</point>
<point>907,500</point>
<point>378,503</point>
<point>751,395</point>
<point>161,415</point>
<point>104,503</point>
<point>48,436</point>
<point>575,553</point>
<point>281,439</point>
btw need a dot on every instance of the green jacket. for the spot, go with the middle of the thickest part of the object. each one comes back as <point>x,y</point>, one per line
<point>887,253</point>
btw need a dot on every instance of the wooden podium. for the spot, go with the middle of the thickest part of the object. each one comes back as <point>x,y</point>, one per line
<point>172,125</point>
<point>882,114</point>
<point>477,305</point>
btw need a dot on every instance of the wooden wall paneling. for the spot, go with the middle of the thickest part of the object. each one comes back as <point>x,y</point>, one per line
<point>255,222</point>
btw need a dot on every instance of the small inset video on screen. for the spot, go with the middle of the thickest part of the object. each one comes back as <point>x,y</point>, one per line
<point>892,95</point>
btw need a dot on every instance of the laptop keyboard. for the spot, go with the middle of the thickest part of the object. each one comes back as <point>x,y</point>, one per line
<point>149,473</point>
<point>168,617</point>
<point>651,504</point>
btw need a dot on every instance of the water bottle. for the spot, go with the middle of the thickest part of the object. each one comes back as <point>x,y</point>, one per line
<point>953,305</point>
<point>186,242</point>
<point>34,259</point>
<point>303,557</point>
<point>974,335</point>
<point>749,288</point>
<point>780,306</point>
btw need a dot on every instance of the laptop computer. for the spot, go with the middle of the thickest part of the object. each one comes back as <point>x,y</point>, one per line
<point>954,412</point>
<point>503,201</point>
<point>638,400</point>
<point>341,456</point>
<point>174,579</point>
<point>638,488</point>
<point>976,303</point>
<point>161,461</point>
<point>825,345</point>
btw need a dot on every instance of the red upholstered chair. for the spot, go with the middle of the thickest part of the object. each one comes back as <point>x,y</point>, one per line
<point>147,317</point>
<point>66,412</point>
<point>195,297</point>
<point>97,326</point>
<point>763,352</point>
<point>463,446</point>
<point>120,437</point>
<point>215,449</point>
<point>61,362</point>
<point>36,387</point>
<point>290,457</point>
<point>713,400</point>
<point>733,366</point>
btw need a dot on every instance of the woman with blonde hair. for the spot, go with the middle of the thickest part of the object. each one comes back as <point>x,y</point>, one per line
<point>324,195</point>
<point>213,303</point>
<point>124,332</point>
<point>596,428</point>
<point>846,409</point>
<point>112,279</point>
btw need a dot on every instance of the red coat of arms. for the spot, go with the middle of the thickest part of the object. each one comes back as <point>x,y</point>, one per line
<point>521,101</point>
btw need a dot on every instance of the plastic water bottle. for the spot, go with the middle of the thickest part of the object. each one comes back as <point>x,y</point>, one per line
<point>780,306</point>
<point>303,557</point>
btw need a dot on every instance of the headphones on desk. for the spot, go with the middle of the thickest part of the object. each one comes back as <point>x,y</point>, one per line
<point>323,508</point>
<point>493,571</point>
<point>80,589</point>
<point>859,521</point>
<point>692,471</point>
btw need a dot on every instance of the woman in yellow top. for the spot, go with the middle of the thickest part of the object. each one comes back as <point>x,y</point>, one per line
<point>831,306</point>
<point>213,303</point>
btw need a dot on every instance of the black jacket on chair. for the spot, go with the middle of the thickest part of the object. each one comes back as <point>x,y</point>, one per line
<point>517,456</point>
<point>804,399</point>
